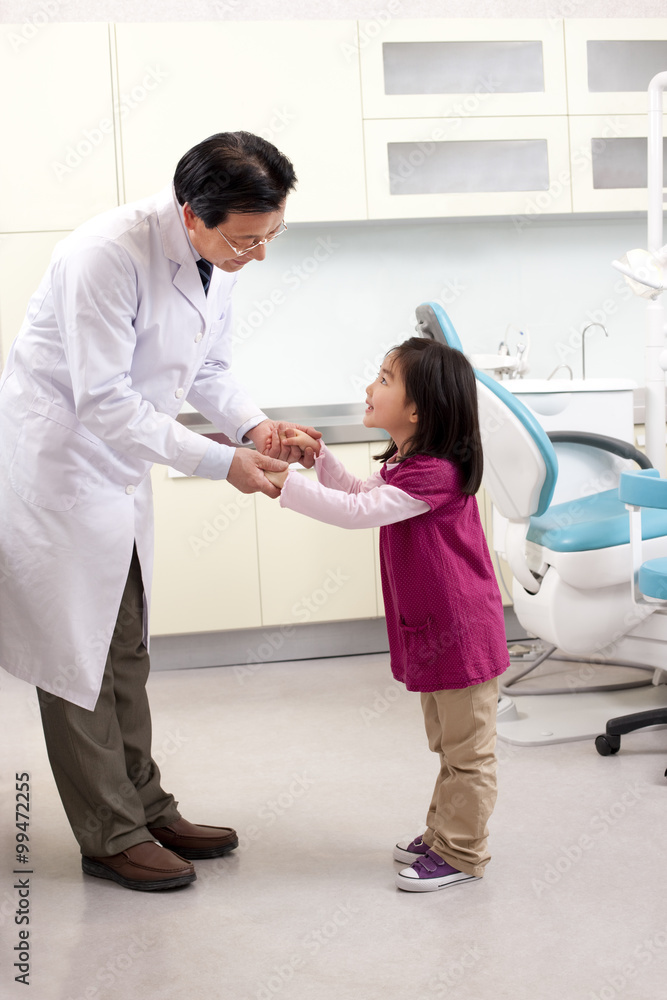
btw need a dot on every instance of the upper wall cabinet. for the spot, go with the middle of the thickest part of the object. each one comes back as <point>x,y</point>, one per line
<point>610,63</point>
<point>24,258</point>
<point>464,68</point>
<point>609,162</point>
<point>58,166</point>
<point>439,167</point>
<point>294,83</point>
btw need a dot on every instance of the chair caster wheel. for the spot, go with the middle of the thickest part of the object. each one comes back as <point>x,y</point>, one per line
<point>607,745</point>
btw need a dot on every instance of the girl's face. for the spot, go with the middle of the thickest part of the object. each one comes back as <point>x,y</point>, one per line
<point>387,406</point>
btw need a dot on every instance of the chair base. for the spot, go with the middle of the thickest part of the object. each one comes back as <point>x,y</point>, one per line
<point>538,720</point>
<point>610,741</point>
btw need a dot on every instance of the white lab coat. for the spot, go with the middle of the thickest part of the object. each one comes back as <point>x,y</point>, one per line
<point>118,335</point>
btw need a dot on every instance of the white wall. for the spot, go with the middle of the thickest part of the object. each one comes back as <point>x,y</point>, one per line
<point>313,331</point>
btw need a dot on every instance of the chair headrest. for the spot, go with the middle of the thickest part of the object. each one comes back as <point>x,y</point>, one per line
<point>520,464</point>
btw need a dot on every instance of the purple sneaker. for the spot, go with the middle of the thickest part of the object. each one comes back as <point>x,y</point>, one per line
<point>430,872</point>
<point>410,852</point>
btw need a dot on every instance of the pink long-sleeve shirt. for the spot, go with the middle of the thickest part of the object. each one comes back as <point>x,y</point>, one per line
<point>443,608</point>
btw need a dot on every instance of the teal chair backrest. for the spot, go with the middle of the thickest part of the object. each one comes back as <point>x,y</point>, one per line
<point>520,464</point>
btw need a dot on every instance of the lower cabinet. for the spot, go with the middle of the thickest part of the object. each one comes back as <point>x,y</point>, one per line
<point>314,572</point>
<point>501,568</point>
<point>224,560</point>
<point>206,576</point>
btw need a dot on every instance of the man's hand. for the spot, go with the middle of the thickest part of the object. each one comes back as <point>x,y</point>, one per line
<point>246,472</point>
<point>262,437</point>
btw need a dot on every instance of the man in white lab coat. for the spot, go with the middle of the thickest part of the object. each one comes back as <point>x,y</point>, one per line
<point>130,320</point>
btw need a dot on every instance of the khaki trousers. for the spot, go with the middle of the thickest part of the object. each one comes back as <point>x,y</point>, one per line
<point>101,760</point>
<point>461,729</point>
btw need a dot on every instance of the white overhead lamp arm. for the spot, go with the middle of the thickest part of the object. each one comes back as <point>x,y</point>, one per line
<point>656,356</point>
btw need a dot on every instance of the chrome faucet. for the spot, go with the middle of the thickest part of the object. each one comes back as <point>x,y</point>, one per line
<point>567,368</point>
<point>583,345</point>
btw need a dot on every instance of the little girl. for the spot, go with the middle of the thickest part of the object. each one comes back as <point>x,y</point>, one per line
<point>442,603</point>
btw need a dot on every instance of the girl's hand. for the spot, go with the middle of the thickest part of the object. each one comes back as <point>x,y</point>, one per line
<point>277,478</point>
<point>296,438</point>
<point>279,443</point>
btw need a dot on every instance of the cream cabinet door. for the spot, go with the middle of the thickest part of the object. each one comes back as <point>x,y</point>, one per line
<point>206,576</point>
<point>314,572</point>
<point>24,257</point>
<point>296,83</point>
<point>611,61</point>
<point>378,574</point>
<point>376,448</point>
<point>609,162</point>
<point>466,67</point>
<point>501,568</point>
<point>57,120</point>
<point>439,167</point>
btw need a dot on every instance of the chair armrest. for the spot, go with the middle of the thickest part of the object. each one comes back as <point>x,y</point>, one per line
<point>643,488</point>
<point>614,445</point>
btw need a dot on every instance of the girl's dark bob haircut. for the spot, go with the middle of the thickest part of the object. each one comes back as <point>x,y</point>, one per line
<point>440,381</point>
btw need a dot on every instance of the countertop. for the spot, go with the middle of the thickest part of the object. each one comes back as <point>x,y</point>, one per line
<point>339,423</point>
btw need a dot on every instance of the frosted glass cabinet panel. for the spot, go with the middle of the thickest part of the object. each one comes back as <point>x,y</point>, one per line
<point>463,67</point>
<point>624,66</point>
<point>609,154</point>
<point>58,166</point>
<point>622,163</point>
<point>458,67</point>
<point>452,167</point>
<point>470,167</point>
<point>611,61</point>
<point>296,83</point>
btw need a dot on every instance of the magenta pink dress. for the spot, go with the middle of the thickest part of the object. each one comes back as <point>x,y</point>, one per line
<point>443,607</point>
<point>442,603</point>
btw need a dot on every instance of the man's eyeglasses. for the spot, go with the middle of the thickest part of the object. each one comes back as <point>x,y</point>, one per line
<point>260,243</point>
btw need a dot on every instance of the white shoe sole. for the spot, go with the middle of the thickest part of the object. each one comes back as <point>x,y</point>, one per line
<point>411,884</point>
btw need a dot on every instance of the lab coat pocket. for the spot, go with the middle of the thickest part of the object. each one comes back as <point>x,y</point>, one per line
<point>51,465</point>
<point>419,643</point>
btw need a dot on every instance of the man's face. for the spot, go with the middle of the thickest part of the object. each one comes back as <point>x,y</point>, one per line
<point>241,231</point>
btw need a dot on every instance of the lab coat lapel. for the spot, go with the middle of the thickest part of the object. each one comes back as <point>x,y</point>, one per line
<point>177,248</point>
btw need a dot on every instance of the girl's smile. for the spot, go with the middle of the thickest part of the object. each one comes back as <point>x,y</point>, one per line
<point>387,406</point>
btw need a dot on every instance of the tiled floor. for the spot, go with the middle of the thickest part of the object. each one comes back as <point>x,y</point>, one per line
<point>321,765</point>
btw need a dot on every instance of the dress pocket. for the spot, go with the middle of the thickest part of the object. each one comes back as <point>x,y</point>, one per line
<point>420,644</point>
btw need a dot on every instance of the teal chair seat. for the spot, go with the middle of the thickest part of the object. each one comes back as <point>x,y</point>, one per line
<point>596,522</point>
<point>652,579</point>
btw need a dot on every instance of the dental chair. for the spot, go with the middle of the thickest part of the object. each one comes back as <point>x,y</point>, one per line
<point>571,562</point>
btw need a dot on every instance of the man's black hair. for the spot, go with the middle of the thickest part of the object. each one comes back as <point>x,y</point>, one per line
<point>233,172</point>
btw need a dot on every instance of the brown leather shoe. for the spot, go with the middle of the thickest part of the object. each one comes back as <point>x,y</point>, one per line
<point>193,841</point>
<point>144,866</point>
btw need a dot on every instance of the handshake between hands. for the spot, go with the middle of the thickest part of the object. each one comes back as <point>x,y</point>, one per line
<point>303,447</point>
<point>277,444</point>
